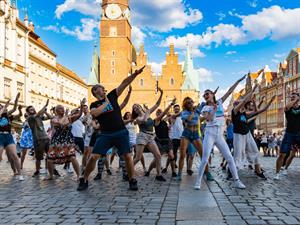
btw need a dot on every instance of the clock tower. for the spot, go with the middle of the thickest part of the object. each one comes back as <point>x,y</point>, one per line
<point>115,43</point>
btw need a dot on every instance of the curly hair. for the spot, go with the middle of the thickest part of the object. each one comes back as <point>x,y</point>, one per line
<point>185,102</point>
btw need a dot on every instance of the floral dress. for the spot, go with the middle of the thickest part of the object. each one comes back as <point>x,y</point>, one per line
<point>26,141</point>
<point>62,146</point>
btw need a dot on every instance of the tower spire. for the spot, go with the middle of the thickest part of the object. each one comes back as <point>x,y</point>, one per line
<point>94,74</point>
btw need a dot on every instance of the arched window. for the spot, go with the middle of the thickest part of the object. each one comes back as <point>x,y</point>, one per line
<point>172,81</point>
<point>142,82</point>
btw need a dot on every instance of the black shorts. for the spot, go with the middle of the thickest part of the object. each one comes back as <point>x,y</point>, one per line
<point>164,145</point>
<point>93,138</point>
<point>79,142</point>
<point>264,145</point>
<point>40,148</point>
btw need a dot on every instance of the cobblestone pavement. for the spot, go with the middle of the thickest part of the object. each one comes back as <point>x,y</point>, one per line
<point>35,201</point>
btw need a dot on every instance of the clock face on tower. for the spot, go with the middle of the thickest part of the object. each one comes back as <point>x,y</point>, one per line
<point>113,11</point>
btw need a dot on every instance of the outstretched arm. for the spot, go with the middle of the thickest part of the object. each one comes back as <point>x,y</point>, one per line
<point>128,81</point>
<point>263,109</point>
<point>79,114</point>
<point>153,108</point>
<point>292,103</point>
<point>15,105</point>
<point>126,100</point>
<point>20,114</point>
<point>43,110</point>
<point>159,118</point>
<point>245,100</point>
<point>232,88</point>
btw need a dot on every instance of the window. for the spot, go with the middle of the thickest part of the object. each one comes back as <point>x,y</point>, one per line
<point>7,89</point>
<point>113,72</point>
<point>172,81</point>
<point>113,31</point>
<point>113,52</point>
<point>61,90</point>
<point>112,62</point>
<point>20,89</point>
<point>142,82</point>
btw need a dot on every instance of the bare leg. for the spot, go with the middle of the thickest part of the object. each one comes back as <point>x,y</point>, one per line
<point>23,156</point>
<point>279,161</point>
<point>290,159</point>
<point>183,147</point>
<point>12,152</point>
<point>91,164</point>
<point>50,167</point>
<point>139,153</point>
<point>157,156</point>
<point>129,165</point>
<point>75,165</point>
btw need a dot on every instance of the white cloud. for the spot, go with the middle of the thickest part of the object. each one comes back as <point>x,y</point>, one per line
<point>164,15</point>
<point>277,55</point>
<point>53,28</point>
<point>274,23</point>
<point>231,52</point>
<point>85,32</point>
<point>205,75</point>
<point>156,67</point>
<point>253,3</point>
<point>137,36</point>
<point>85,7</point>
<point>221,15</point>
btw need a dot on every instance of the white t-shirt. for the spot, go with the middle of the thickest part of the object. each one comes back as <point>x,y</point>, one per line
<point>218,114</point>
<point>78,129</point>
<point>132,133</point>
<point>176,129</point>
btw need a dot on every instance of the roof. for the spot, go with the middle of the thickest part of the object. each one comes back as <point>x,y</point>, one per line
<point>69,73</point>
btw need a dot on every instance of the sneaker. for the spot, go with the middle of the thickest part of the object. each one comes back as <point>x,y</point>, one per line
<point>83,185</point>
<point>165,170</point>
<point>209,177</point>
<point>133,185</point>
<point>56,173</point>
<point>36,173</point>
<point>174,174</point>
<point>43,171</point>
<point>284,172</point>
<point>178,178</point>
<point>277,176</point>
<point>238,184</point>
<point>147,174</point>
<point>197,185</point>
<point>261,175</point>
<point>21,178</point>
<point>69,170</point>
<point>109,172</point>
<point>190,172</point>
<point>98,176</point>
<point>160,178</point>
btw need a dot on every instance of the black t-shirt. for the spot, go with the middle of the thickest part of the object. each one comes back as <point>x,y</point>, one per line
<point>239,121</point>
<point>111,119</point>
<point>162,130</point>
<point>293,120</point>
<point>5,123</point>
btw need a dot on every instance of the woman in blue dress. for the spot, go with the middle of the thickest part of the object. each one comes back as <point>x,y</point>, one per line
<point>26,142</point>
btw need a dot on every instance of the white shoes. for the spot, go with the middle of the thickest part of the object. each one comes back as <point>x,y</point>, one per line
<point>238,184</point>
<point>277,176</point>
<point>43,171</point>
<point>197,185</point>
<point>21,178</point>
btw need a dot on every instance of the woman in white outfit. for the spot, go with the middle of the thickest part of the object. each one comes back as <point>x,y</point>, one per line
<point>213,112</point>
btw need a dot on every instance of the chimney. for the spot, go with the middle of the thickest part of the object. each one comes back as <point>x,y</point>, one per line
<point>31,26</point>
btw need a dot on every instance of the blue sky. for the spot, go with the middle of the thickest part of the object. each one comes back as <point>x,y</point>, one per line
<point>228,37</point>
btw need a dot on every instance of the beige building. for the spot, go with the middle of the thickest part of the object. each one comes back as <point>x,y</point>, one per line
<point>29,66</point>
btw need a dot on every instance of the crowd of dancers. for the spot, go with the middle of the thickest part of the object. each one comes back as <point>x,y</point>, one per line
<point>101,130</point>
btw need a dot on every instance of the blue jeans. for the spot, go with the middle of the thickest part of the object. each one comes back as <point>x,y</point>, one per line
<point>6,140</point>
<point>288,141</point>
<point>118,139</point>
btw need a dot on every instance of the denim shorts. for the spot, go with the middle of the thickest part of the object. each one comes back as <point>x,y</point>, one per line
<point>191,135</point>
<point>288,141</point>
<point>118,139</point>
<point>6,139</point>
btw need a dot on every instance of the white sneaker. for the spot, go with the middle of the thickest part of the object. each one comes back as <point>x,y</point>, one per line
<point>238,184</point>
<point>284,172</point>
<point>43,171</point>
<point>69,170</point>
<point>277,176</point>
<point>197,186</point>
<point>21,178</point>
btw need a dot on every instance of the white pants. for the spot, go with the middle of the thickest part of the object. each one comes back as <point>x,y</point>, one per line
<point>214,136</point>
<point>245,149</point>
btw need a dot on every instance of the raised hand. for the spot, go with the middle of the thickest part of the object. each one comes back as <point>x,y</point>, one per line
<point>139,71</point>
<point>243,78</point>
<point>83,101</point>
<point>145,107</point>
<point>47,103</point>
<point>215,92</point>
<point>17,97</point>
<point>174,101</point>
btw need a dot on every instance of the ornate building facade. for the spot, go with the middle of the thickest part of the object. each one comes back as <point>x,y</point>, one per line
<point>118,59</point>
<point>29,66</point>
